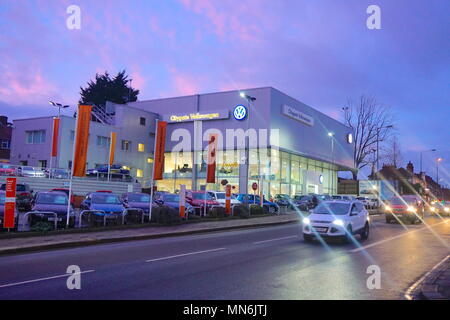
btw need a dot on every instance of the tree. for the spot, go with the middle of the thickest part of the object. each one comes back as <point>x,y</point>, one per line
<point>391,153</point>
<point>103,89</point>
<point>370,122</point>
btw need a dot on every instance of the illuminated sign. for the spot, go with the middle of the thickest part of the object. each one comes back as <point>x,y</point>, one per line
<point>240,112</point>
<point>321,179</point>
<point>297,115</point>
<point>197,116</point>
<point>350,138</point>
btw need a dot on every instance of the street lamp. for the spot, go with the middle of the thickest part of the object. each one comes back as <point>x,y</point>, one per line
<point>378,142</point>
<point>438,161</point>
<point>59,106</point>
<point>249,99</point>
<point>421,156</point>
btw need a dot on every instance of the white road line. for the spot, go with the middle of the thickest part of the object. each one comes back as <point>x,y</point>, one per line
<point>408,293</point>
<point>394,237</point>
<point>270,240</point>
<point>185,254</point>
<point>43,279</point>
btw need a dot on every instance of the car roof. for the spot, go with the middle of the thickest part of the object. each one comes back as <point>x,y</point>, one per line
<point>103,193</point>
<point>52,192</point>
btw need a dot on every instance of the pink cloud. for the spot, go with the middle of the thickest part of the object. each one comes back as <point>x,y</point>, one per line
<point>184,84</point>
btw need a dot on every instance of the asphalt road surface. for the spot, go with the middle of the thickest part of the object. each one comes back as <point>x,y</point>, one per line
<point>263,263</point>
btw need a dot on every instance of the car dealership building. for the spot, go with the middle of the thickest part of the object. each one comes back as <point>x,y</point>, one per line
<point>293,148</point>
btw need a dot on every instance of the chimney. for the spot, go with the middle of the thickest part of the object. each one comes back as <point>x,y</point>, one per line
<point>4,121</point>
<point>410,167</point>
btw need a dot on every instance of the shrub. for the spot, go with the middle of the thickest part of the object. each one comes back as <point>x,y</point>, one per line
<point>242,211</point>
<point>167,215</point>
<point>256,210</point>
<point>217,212</point>
<point>42,226</point>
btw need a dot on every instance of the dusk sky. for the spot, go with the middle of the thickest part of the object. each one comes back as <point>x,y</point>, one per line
<point>319,52</point>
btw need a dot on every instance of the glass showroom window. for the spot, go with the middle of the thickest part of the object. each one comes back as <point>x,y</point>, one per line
<point>35,137</point>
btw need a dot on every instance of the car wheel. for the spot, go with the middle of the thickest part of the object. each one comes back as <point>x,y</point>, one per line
<point>349,234</point>
<point>388,220</point>
<point>307,238</point>
<point>365,232</point>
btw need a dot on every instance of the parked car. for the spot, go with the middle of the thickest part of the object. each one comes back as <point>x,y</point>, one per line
<point>2,210</point>
<point>58,174</point>
<point>365,201</point>
<point>304,202</point>
<point>374,203</point>
<point>26,171</point>
<point>66,191</point>
<point>337,219</point>
<point>138,200</point>
<point>109,204</point>
<point>269,207</point>
<point>24,195</point>
<point>198,199</point>
<point>410,208</point>
<point>103,169</point>
<point>173,200</point>
<point>341,198</point>
<point>283,200</point>
<point>7,170</point>
<point>52,201</point>
<point>220,197</point>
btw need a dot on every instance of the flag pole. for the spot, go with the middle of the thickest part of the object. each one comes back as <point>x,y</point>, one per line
<point>71,169</point>
<point>153,173</point>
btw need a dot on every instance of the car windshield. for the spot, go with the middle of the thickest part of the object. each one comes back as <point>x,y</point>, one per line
<point>48,198</point>
<point>201,196</point>
<point>105,199</point>
<point>5,166</point>
<point>28,168</point>
<point>337,197</point>
<point>360,198</point>
<point>401,202</point>
<point>332,208</point>
<point>171,198</point>
<point>139,198</point>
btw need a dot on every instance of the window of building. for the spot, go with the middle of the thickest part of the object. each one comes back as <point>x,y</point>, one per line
<point>139,173</point>
<point>149,160</point>
<point>5,144</point>
<point>126,145</point>
<point>35,137</point>
<point>142,121</point>
<point>141,147</point>
<point>42,163</point>
<point>103,141</point>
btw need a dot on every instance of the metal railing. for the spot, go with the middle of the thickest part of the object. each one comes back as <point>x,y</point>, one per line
<point>41,213</point>
<point>140,211</point>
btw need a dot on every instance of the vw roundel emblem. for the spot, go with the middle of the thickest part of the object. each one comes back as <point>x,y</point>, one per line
<point>321,179</point>
<point>240,112</point>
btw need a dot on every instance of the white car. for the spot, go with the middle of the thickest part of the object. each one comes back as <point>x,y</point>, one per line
<point>220,198</point>
<point>337,219</point>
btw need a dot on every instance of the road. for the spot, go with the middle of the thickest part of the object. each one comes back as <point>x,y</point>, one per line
<point>263,263</point>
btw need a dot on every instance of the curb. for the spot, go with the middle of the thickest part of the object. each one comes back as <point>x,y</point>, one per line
<point>429,289</point>
<point>89,242</point>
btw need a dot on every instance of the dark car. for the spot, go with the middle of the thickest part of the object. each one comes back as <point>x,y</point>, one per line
<point>109,204</point>
<point>24,196</point>
<point>51,201</point>
<point>270,207</point>
<point>103,169</point>
<point>138,200</point>
<point>283,200</point>
<point>303,202</point>
<point>2,210</point>
<point>173,200</point>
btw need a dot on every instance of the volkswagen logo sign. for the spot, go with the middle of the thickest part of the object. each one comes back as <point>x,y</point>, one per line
<point>321,179</point>
<point>240,112</point>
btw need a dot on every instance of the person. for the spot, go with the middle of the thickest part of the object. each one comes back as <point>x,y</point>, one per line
<point>315,201</point>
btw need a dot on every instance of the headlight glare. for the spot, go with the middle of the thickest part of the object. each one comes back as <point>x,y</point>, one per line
<point>338,222</point>
<point>306,221</point>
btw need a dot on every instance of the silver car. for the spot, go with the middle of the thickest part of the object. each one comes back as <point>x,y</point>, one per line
<point>26,171</point>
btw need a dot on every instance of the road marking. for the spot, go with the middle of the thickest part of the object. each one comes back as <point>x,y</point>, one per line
<point>270,240</point>
<point>185,254</point>
<point>43,279</point>
<point>394,237</point>
<point>409,292</point>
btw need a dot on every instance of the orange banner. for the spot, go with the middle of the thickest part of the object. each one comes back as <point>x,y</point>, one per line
<point>10,203</point>
<point>228,199</point>
<point>112,148</point>
<point>55,137</point>
<point>211,172</point>
<point>81,140</point>
<point>160,147</point>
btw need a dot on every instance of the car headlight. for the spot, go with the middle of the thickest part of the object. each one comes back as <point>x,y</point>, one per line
<point>433,209</point>
<point>387,208</point>
<point>306,221</point>
<point>447,209</point>
<point>338,222</point>
<point>411,209</point>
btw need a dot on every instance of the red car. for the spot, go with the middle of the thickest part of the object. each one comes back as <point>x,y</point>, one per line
<point>197,200</point>
<point>7,170</point>
<point>408,207</point>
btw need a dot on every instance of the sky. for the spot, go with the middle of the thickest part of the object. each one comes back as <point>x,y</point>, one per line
<point>319,52</point>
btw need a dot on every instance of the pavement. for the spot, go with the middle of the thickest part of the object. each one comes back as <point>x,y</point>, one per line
<point>436,283</point>
<point>64,240</point>
<point>269,263</point>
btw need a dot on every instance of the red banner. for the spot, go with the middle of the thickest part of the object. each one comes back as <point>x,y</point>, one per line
<point>112,148</point>
<point>228,199</point>
<point>160,147</point>
<point>10,203</point>
<point>212,149</point>
<point>81,140</point>
<point>55,137</point>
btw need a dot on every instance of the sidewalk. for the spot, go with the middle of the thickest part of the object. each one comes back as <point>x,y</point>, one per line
<point>35,243</point>
<point>436,285</point>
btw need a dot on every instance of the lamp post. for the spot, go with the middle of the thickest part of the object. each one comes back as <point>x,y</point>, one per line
<point>378,142</point>
<point>421,157</point>
<point>249,99</point>
<point>59,106</point>
<point>438,161</point>
<point>331,135</point>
